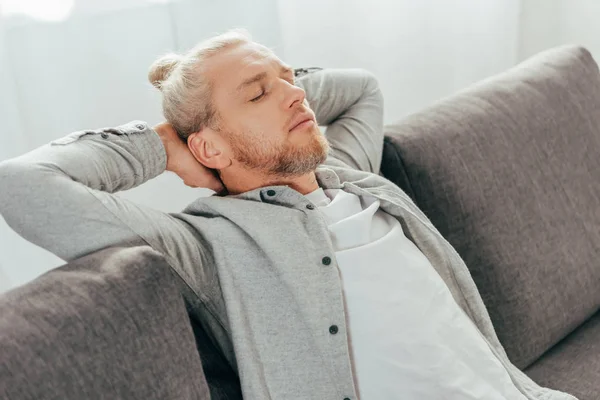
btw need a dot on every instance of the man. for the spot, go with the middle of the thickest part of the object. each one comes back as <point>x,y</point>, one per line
<point>324,278</point>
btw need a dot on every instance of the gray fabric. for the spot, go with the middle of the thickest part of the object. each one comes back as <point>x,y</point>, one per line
<point>260,288</point>
<point>573,365</point>
<point>509,172</point>
<point>111,325</point>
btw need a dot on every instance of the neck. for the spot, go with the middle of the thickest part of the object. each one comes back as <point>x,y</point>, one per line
<point>242,181</point>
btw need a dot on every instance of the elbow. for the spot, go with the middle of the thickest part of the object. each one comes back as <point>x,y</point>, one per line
<point>371,83</point>
<point>10,173</point>
<point>371,89</point>
<point>23,191</point>
<point>15,182</point>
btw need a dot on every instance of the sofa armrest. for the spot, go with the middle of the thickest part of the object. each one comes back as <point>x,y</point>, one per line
<point>110,325</point>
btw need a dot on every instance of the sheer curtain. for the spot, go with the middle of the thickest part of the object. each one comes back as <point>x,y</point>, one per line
<point>80,64</point>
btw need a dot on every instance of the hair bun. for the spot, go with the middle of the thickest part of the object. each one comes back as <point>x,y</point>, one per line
<point>162,68</point>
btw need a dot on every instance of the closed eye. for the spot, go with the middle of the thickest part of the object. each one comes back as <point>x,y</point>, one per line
<point>257,98</point>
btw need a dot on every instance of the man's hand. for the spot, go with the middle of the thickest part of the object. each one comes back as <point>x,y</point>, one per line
<point>181,161</point>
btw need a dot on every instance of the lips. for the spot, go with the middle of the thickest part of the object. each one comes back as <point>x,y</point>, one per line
<point>300,119</point>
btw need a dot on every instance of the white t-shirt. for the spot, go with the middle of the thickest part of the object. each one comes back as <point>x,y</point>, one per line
<point>408,337</point>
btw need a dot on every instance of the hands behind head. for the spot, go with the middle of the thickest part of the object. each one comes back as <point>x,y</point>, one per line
<point>181,161</point>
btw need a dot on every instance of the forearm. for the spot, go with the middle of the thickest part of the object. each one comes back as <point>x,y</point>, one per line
<point>109,160</point>
<point>332,92</point>
<point>350,103</point>
<point>55,196</point>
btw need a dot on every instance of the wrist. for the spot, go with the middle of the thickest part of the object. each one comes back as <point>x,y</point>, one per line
<point>167,135</point>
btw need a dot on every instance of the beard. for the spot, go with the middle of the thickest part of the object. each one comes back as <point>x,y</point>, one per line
<point>285,159</point>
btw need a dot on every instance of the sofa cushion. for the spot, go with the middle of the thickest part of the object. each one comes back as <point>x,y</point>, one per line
<point>509,171</point>
<point>111,325</point>
<point>573,365</point>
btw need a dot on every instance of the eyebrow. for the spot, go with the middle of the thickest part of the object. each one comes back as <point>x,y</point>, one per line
<point>259,77</point>
<point>250,81</point>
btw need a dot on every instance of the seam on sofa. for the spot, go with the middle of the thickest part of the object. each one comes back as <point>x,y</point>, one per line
<point>387,140</point>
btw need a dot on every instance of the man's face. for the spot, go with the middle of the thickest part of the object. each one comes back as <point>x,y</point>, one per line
<point>260,108</point>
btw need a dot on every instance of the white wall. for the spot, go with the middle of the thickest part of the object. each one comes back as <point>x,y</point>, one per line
<point>11,143</point>
<point>549,23</point>
<point>420,50</point>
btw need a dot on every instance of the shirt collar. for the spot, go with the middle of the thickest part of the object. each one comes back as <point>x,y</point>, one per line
<point>284,195</point>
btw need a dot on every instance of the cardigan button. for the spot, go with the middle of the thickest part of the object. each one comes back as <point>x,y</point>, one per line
<point>333,329</point>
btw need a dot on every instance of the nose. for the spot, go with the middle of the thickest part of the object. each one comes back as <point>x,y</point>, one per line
<point>294,97</point>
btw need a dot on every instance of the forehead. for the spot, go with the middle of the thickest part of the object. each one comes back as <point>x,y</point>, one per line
<point>228,68</point>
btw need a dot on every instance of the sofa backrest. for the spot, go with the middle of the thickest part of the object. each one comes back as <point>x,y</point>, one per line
<point>508,170</point>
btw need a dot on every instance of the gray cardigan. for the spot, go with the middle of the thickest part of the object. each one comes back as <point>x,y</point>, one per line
<point>258,269</point>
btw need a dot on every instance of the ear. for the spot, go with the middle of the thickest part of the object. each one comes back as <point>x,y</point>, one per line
<point>209,148</point>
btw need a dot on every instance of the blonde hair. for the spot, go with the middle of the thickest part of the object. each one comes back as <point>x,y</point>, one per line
<point>185,89</point>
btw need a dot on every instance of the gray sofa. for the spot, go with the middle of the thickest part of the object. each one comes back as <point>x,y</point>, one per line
<point>508,170</point>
